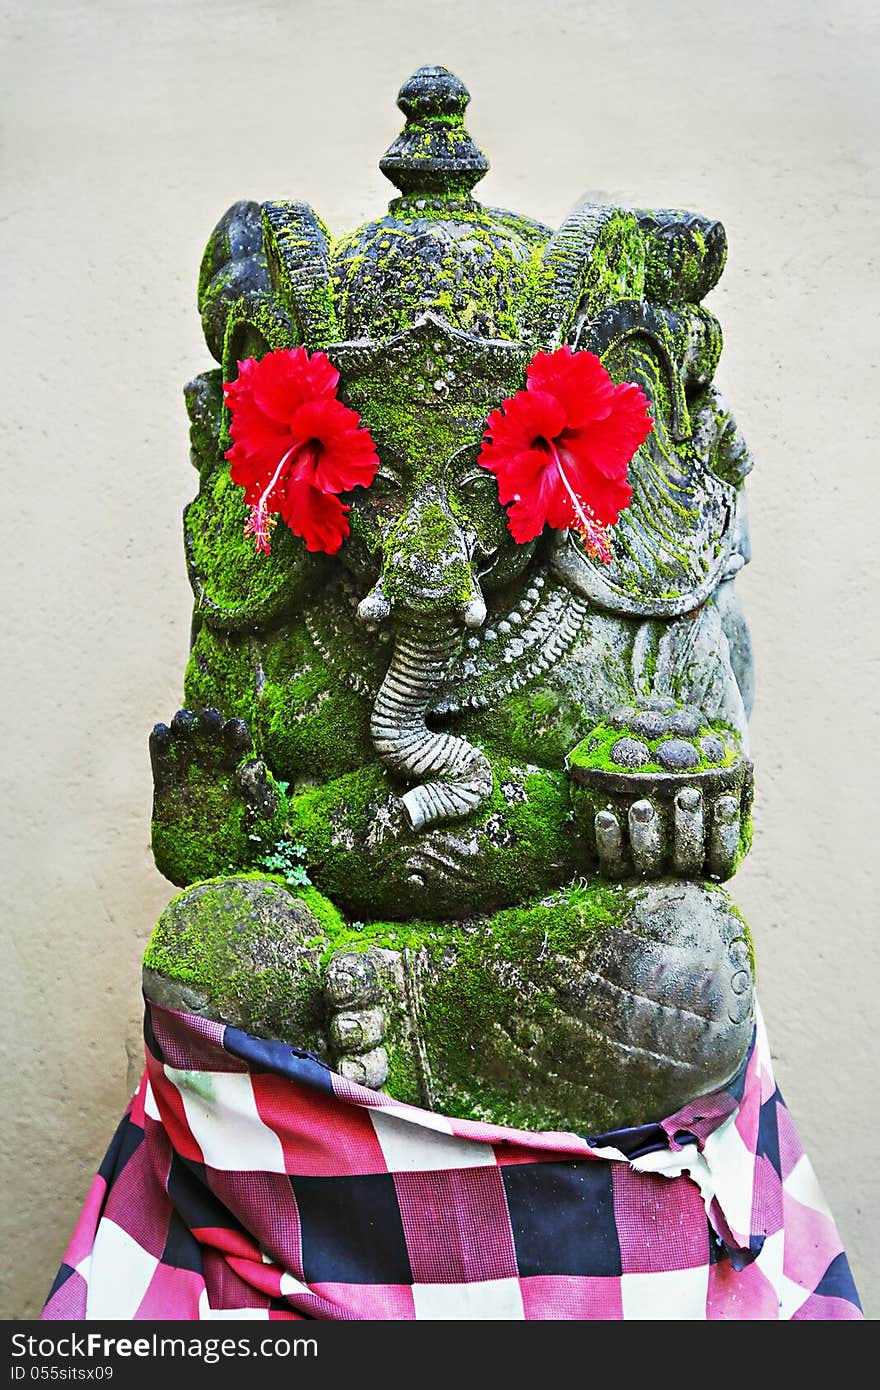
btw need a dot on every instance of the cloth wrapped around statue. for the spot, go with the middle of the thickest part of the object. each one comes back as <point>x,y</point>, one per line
<point>249,1180</point>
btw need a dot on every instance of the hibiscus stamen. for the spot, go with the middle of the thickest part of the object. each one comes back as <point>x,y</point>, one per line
<point>575,500</point>
<point>592,532</point>
<point>259,524</point>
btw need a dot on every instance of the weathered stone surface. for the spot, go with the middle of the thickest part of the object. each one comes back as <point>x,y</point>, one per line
<point>664,703</point>
<point>677,753</point>
<point>244,951</point>
<point>712,747</point>
<point>622,716</point>
<point>685,722</point>
<point>632,1001</point>
<point>629,752</point>
<point>649,723</point>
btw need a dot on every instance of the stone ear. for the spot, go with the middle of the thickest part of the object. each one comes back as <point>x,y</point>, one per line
<point>255,324</point>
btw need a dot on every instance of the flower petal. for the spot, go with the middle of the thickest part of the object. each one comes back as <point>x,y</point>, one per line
<point>347,456</point>
<point>319,517</point>
<point>577,380</point>
<point>606,497</point>
<point>282,381</point>
<point>560,449</point>
<point>524,418</point>
<point>611,443</point>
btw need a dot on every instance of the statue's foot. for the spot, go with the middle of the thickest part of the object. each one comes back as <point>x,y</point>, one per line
<point>593,1010</point>
<point>357,1017</point>
<point>375,1020</point>
<point>215,805</point>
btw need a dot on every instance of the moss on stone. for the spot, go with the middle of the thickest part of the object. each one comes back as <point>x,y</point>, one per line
<point>747,937</point>
<point>476,266</point>
<point>540,724</point>
<point>233,584</point>
<point>305,720</point>
<point>204,407</point>
<point>595,752</point>
<point>247,950</point>
<point>310,722</point>
<point>495,1003</point>
<point>431,572</point>
<point>524,844</point>
<point>220,674</point>
<point>325,913</point>
<point>202,825</point>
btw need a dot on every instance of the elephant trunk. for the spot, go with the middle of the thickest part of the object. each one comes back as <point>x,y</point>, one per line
<point>452,776</point>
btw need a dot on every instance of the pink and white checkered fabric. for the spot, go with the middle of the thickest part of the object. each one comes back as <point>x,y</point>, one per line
<point>247,1180</point>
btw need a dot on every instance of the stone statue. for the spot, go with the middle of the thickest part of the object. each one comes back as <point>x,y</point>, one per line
<point>452,811</point>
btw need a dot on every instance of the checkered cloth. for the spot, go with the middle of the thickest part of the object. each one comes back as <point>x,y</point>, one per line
<point>247,1180</point>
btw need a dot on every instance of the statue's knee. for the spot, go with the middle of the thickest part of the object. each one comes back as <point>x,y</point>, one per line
<point>245,951</point>
<point>671,986</point>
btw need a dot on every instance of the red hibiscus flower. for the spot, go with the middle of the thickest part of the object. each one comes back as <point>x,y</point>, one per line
<point>561,447</point>
<point>295,446</point>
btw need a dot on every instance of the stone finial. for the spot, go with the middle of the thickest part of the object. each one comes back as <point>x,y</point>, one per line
<point>434,154</point>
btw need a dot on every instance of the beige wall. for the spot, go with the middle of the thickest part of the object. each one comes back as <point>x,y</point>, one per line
<point>129,128</point>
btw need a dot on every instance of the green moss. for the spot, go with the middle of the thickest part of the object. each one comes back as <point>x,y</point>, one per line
<point>195,842</point>
<point>391,936</point>
<point>201,823</point>
<point>297,246</point>
<point>326,914</point>
<point>488,989</point>
<point>220,674</point>
<point>540,724</point>
<point>595,752</point>
<point>496,1000</point>
<point>747,937</point>
<point>331,820</point>
<point>190,955</point>
<point>306,721</point>
<point>428,557</point>
<point>524,837</point>
<point>250,959</point>
<point>204,407</point>
<point>746,834</point>
<point>404,1081</point>
<point>234,585</point>
<point>595,259</point>
<point>479,269</point>
<point>256,324</point>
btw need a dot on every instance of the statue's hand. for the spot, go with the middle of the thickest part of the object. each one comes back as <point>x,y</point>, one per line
<point>697,835</point>
<point>215,803</point>
<point>646,816</point>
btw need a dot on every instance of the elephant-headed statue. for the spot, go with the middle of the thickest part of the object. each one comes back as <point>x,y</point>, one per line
<point>452,799</point>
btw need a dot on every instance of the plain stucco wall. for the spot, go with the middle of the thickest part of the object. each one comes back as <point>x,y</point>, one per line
<point>130,127</point>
